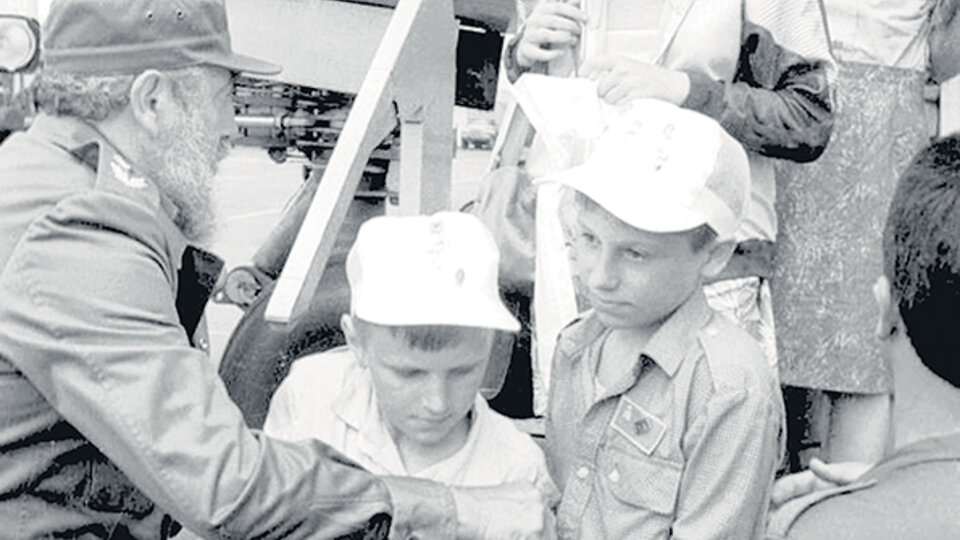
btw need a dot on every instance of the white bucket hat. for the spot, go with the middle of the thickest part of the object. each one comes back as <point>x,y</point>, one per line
<point>424,270</point>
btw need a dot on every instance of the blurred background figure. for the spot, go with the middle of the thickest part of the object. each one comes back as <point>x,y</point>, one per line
<point>831,215</point>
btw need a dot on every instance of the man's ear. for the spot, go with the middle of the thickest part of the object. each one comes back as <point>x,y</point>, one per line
<point>888,313</point>
<point>350,334</point>
<point>718,254</point>
<point>148,95</point>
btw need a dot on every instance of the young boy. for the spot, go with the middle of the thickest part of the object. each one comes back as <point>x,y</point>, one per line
<point>402,397</point>
<point>664,418</point>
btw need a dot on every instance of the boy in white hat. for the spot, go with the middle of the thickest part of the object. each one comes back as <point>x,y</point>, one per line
<point>664,418</point>
<point>402,397</point>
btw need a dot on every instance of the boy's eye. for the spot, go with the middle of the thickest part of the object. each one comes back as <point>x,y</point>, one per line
<point>409,373</point>
<point>462,371</point>
<point>634,255</point>
<point>588,238</point>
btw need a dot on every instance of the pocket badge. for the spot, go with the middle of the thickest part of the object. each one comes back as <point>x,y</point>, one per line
<point>641,428</point>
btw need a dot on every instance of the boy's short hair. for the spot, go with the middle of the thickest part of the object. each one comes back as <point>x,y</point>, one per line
<point>921,251</point>
<point>440,269</point>
<point>700,236</point>
<point>420,337</point>
<point>661,168</point>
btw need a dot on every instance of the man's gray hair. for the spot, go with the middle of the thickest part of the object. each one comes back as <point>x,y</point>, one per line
<point>95,97</point>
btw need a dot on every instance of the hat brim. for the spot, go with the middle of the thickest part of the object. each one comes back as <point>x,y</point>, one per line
<point>644,211</point>
<point>482,313</point>
<point>245,64</point>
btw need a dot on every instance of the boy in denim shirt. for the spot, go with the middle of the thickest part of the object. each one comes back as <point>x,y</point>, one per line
<point>664,419</point>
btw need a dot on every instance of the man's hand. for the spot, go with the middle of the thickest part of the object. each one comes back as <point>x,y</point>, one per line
<point>819,476</point>
<point>514,511</point>
<point>548,31</point>
<point>620,80</point>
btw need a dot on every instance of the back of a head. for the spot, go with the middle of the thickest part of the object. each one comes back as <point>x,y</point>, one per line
<point>921,246</point>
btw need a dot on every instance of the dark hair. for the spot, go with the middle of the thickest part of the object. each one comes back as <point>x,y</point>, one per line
<point>921,251</point>
<point>425,337</point>
<point>700,236</point>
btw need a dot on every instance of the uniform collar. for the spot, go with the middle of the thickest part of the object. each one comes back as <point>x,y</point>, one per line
<point>90,147</point>
<point>63,131</point>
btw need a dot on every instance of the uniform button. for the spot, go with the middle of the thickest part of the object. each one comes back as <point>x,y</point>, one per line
<point>583,472</point>
<point>202,344</point>
<point>614,475</point>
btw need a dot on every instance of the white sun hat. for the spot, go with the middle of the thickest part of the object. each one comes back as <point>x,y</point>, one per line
<point>424,270</point>
<point>662,168</point>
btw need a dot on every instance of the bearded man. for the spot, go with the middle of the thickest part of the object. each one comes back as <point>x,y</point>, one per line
<point>111,424</point>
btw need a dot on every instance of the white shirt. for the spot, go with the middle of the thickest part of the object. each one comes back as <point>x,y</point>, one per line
<point>627,28</point>
<point>887,32</point>
<point>329,396</point>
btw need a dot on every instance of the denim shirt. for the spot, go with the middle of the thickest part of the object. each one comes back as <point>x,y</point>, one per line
<point>111,424</point>
<point>684,446</point>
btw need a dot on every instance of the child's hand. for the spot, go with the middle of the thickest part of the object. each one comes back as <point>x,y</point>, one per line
<point>819,476</point>
<point>550,29</point>
<point>620,80</point>
<point>517,510</point>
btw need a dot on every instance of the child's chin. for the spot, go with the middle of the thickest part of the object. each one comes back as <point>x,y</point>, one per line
<point>613,320</point>
<point>429,437</point>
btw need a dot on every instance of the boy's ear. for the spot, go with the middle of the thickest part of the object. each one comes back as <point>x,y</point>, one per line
<point>718,254</point>
<point>350,334</point>
<point>888,314</point>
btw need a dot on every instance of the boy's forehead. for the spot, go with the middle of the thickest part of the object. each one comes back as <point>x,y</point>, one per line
<point>620,232</point>
<point>392,349</point>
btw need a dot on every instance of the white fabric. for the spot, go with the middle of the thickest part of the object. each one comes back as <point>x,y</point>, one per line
<point>628,28</point>
<point>436,269</point>
<point>886,32</point>
<point>747,303</point>
<point>329,396</point>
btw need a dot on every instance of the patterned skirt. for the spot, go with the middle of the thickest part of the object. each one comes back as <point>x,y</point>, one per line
<point>831,215</point>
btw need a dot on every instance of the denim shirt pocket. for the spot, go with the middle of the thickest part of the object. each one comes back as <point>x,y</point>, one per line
<point>639,482</point>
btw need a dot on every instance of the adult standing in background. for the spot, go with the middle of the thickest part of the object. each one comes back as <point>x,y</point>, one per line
<point>758,67</point>
<point>831,216</point>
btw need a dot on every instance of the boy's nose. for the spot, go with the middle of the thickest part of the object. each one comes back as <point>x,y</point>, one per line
<point>603,274</point>
<point>436,397</point>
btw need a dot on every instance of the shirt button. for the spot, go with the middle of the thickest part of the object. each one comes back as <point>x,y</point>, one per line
<point>583,472</point>
<point>614,475</point>
<point>202,344</point>
<point>712,332</point>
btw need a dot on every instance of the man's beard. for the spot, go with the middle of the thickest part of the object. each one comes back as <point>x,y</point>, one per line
<point>183,162</point>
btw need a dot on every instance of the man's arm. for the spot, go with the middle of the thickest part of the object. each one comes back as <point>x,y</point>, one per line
<point>732,448</point>
<point>779,102</point>
<point>88,316</point>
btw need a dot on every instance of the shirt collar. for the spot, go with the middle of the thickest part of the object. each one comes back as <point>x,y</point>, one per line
<point>64,131</point>
<point>668,345</point>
